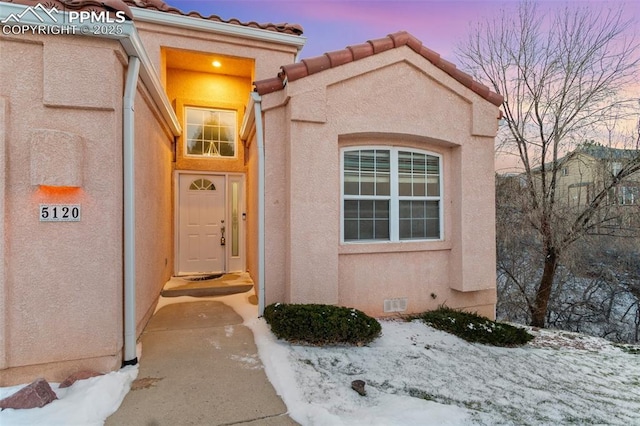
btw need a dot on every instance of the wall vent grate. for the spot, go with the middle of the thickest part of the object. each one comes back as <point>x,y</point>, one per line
<point>395,305</point>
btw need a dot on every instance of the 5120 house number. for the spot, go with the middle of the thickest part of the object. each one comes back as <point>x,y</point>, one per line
<point>60,212</point>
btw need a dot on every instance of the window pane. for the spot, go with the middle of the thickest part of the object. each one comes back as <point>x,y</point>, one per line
<point>404,162</point>
<point>351,183</point>
<point>366,219</point>
<point>350,229</point>
<point>405,229</point>
<point>367,172</point>
<point>366,184</point>
<point>433,228</point>
<point>382,184</point>
<point>419,187</point>
<point>227,149</point>
<point>419,163</point>
<point>433,165</point>
<point>382,209</point>
<point>366,209</point>
<point>433,186</point>
<point>418,228</point>
<point>352,161</point>
<point>383,161</point>
<point>418,209</point>
<point>209,133</point>
<point>194,131</point>
<point>228,119</point>
<point>350,209</point>
<point>235,222</point>
<point>404,185</point>
<point>416,218</point>
<point>433,209</point>
<point>405,209</point>
<point>208,148</point>
<point>367,161</point>
<point>195,147</point>
<point>226,134</point>
<point>366,229</point>
<point>382,230</point>
<point>433,219</point>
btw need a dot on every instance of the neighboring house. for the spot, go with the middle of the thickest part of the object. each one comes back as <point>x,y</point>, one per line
<point>585,171</point>
<point>363,177</point>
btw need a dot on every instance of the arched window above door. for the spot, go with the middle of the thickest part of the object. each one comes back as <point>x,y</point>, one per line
<point>202,185</point>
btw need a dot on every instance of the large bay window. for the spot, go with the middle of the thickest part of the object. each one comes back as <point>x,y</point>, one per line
<point>391,194</point>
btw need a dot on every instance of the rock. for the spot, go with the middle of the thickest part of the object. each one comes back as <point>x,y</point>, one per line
<point>37,394</point>
<point>358,386</point>
<point>80,375</point>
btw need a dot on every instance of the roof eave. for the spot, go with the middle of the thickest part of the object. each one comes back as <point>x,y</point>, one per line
<point>187,22</point>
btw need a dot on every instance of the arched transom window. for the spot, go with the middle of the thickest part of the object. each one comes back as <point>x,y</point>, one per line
<point>202,185</point>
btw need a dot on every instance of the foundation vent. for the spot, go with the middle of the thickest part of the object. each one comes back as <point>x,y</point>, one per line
<point>395,305</point>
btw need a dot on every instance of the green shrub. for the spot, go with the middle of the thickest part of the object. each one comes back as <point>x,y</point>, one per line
<point>321,324</point>
<point>474,328</point>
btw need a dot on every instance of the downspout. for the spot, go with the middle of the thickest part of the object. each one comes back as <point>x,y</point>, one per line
<point>128,136</point>
<point>257,105</point>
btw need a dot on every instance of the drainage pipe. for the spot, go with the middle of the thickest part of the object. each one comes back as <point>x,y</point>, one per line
<point>128,138</point>
<point>257,105</point>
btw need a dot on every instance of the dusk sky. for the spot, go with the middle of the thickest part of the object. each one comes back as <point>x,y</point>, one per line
<point>441,25</point>
<point>334,24</point>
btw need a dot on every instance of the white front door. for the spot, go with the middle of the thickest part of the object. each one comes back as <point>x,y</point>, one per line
<point>201,222</point>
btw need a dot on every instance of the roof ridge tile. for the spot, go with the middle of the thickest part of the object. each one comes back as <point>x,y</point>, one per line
<point>292,72</point>
<point>317,63</point>
<point>381,44</point>
<point>361,50</point>
<point>340,57</point>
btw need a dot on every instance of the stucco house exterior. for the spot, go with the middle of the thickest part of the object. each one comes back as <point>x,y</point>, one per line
<point>159,143</point>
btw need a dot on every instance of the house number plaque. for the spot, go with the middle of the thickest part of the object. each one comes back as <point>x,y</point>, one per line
<point>60,212</point>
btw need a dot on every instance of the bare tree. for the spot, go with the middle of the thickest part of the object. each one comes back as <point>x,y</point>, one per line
<point>563,77</point>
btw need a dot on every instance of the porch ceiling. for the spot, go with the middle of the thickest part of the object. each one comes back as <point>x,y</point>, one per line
<point>203,62</point>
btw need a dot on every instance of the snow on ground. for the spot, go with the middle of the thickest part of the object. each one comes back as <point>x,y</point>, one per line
<point>85,403</point>
<point>415,375</point>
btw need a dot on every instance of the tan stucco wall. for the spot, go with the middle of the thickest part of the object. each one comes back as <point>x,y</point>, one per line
<point>393,98</point>
<point>277,212</point>
<point>250,148</point>
<point>63,281</point>
<point>154,208</point>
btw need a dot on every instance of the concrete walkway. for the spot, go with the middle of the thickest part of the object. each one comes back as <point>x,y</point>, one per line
<point>200,366</point>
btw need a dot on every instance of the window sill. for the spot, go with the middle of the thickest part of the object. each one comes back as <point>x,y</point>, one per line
<point>393,247</point>
<point>209,157</point>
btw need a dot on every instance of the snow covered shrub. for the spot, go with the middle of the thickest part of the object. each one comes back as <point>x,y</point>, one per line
<point>321,324</point>
<point>474,328</point>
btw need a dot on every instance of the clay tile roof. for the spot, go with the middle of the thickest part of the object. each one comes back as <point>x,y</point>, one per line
<point>89,5</point>
<point>317,64</point>
<point>159,5</point>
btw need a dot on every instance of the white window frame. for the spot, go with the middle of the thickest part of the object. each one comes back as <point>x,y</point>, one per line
<point>394,197</point>
<point>186,134</point>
